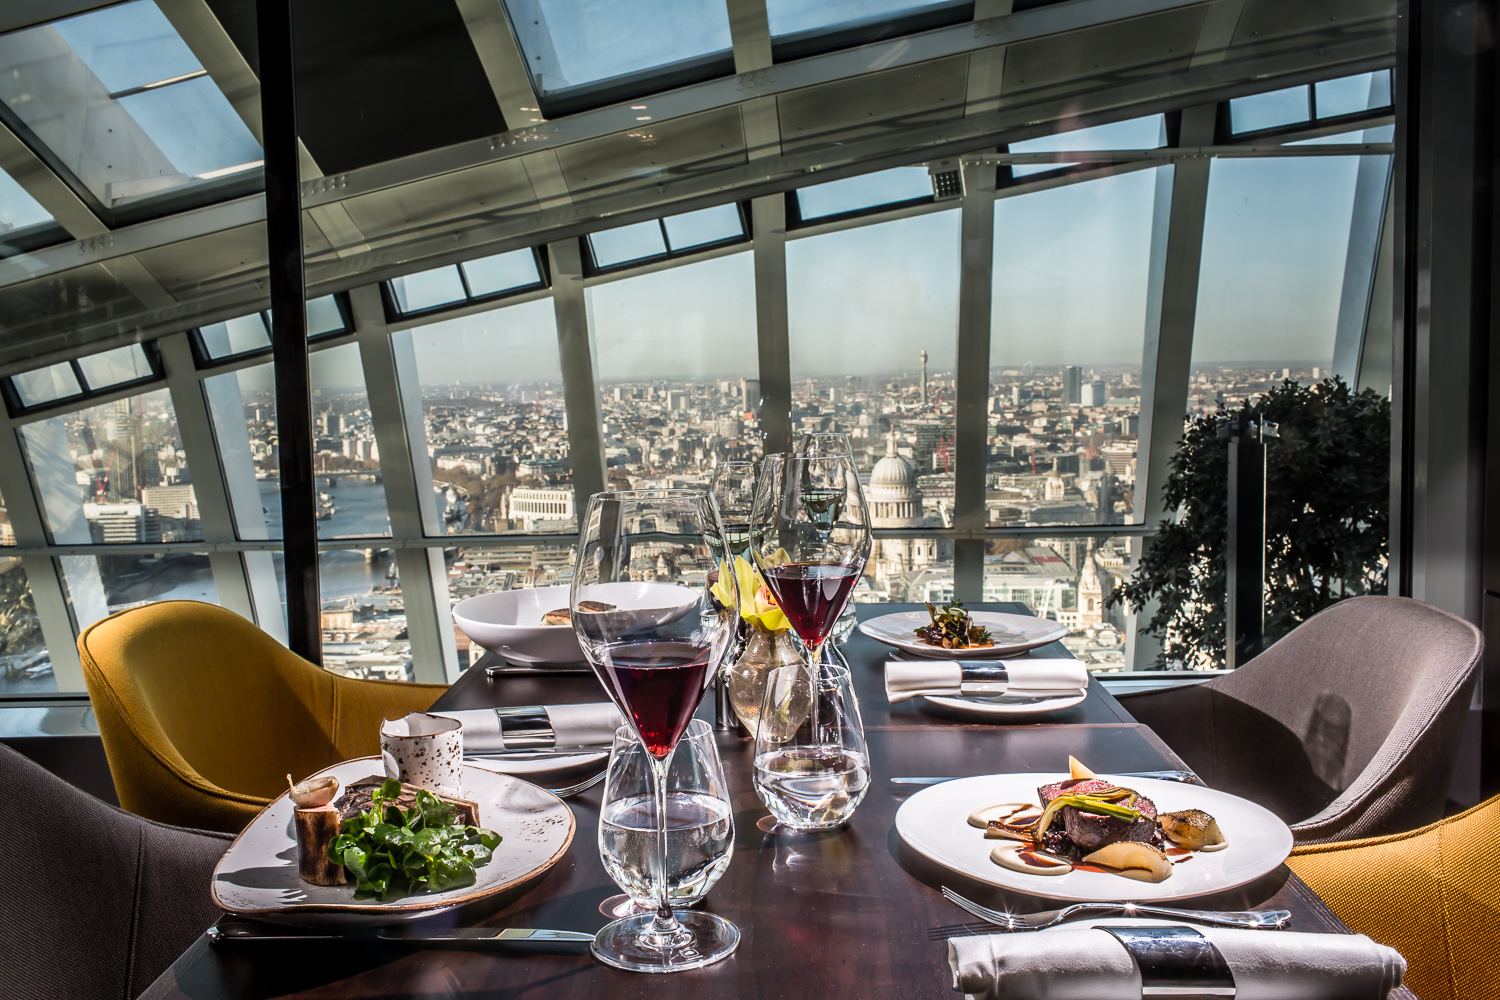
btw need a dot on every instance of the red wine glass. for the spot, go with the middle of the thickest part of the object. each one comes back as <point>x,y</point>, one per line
<point>645,618</point>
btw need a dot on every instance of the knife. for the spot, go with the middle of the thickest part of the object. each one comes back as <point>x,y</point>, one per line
<point>519,939</point>
<point>1186,776</point>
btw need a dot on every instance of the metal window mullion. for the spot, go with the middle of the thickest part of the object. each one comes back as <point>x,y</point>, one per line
<point>580,386</point>
<point>768,220</point>
<point>1371,195</point>
<point>403,455</point>
<point>971,440</point>
<point>205,463</point>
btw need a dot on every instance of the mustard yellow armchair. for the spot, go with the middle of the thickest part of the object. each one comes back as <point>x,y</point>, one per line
<point>203,715</point>
<point>1429,893</point>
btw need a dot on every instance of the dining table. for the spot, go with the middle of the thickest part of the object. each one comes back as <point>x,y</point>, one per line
<point>847,913</point>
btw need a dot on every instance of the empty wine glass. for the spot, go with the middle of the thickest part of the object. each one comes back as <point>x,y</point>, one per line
<point>733,489</point>
<point>643,613</point>
<point>831,444</point>
<point>812,767</point>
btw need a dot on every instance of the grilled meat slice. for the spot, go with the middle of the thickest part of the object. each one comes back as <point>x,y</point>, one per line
<point>357,796</point>
<point>1072,786</point>
<point>1091,831</point>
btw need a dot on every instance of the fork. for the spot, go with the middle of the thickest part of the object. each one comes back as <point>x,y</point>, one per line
<point>1249,919</point>
<point>582,786</point>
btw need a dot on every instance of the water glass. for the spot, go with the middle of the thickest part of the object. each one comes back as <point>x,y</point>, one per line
<point>812,767</point>
<point>700,824</point>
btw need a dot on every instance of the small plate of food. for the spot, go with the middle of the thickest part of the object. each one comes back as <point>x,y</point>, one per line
<point>1085,837</point>
<point>349,846</point>
<point>951,632</point>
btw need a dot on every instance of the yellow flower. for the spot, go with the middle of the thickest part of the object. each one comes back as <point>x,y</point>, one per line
<point>757,606</point>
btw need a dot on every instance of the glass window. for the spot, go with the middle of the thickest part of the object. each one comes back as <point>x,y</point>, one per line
<point>789,17</point>
<point>678,367</point>
<point>1352,94</point>
<point>123,364</point>
<point>114,473</point>
<point>25,666</point>
<point>18,210</point>
<point>323,316</point>
<point>873,315</point>
<point>573,43</point>
<point>118,97</point>
<point>1277,107</point>
<point>1275,238</point>
<point>501,272</point>
<point>495,420</point>
<point>236,336</point>
<point>428,289</point>
<point>46,384</point>
<point>707,225</point>
<point>1137,133</point>
<point>242,406</point>
<point>480,569</point>
<point>364,618</point>
<point>627,243</point>
<point>1380,133</point>
<point>883,187</point>
<point>1067,330</point>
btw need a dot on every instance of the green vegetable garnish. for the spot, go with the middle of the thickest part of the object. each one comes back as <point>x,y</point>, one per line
<point>1095,803</point>
<point>419,849</point>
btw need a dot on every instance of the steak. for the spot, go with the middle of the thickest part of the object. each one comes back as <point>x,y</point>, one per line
<point>357,796</point>
<point>1091,831</point>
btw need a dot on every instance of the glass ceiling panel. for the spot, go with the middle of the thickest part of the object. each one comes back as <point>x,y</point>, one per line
<point>118,98</point>
<point>883,187</point>
<point>790,17</point>
<point>46,384</point>
<point>616,246</point>
<point>708,225</point>
<point>574,43</point>
<point>123,364</point>
<point>19,210</point>
<point>1277,107</point>
<point>1137,133</point>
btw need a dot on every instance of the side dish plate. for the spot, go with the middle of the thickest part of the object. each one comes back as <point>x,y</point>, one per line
<point>257,876</point>
<point>1013,634</point>
<point>934,822</point>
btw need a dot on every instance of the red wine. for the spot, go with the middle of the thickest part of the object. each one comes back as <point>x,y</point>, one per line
<point>811,595</point>
<point>657,684</point>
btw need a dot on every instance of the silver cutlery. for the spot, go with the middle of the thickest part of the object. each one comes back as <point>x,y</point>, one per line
<point>527,939</point>
<point>1168,775</point>
<point>1245,919</point>
<point>582,786</point>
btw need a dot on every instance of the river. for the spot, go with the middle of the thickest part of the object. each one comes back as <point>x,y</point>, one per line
<point>360,511</point>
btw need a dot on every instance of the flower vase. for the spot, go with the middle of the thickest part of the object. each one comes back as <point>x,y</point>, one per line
<point>763,651</point>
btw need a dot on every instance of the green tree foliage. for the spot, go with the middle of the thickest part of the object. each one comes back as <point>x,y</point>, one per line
<point>1327,518</point>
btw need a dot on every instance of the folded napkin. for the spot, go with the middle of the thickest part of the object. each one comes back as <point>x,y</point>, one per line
<point>593,724</point>
<point>1039,677</point>
<point>1091,964</point>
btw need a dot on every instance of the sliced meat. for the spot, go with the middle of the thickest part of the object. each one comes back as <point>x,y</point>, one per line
<point>1090,831</point>
<point>357,796</point>
<point>1073,786</point>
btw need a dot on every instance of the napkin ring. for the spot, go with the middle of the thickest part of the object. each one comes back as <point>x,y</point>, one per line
<point>1176,962</point>
<point>526,727</point>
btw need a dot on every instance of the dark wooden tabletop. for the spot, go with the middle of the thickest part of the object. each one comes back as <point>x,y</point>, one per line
<point>842,914</point>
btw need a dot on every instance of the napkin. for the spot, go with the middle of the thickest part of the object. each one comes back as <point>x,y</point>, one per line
<point>593,724</point>
<point>1091,964</point>
<point>1050,677</point>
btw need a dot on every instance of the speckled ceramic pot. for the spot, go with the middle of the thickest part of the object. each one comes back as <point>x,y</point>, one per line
<point>424,750</point>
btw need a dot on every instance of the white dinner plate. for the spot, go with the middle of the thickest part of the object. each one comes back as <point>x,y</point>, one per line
<point>1006,704</point>
<point>257,876</point>
<point>934,822</point>
<point>535,765</point>
<point>1013,634</point>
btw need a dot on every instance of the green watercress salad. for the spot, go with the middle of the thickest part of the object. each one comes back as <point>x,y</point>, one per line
<point>419,849</point>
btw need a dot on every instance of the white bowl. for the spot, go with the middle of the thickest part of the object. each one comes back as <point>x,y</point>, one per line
<point>509,623</point>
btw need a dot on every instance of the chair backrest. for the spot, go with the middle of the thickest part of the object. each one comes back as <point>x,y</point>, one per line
<point>1375,689</point>
<point>198,686</point>
<point>96,902</point>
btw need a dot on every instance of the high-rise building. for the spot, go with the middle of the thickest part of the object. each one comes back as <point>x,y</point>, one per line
<point>677,399</point>
<point>1072,385</point>
<point>750,393</point>
<point>1095,395</point>
<point>924,376</point>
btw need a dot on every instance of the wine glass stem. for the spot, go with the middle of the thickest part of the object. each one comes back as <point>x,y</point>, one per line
<point>815,671</point>
<point>664,918</point>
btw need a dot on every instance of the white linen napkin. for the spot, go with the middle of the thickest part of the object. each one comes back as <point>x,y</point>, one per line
<point>1038,677</point>
<point>1089,964</point>
<point>592,724</point>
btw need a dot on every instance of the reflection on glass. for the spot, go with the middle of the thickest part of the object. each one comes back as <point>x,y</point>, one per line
<point>708,225</point>
<point>1275,238</point>
<point>789,17</point>
<point>1351,94</point>
<point>25,665</point>
<point>428,289</point>
<point>1137,133</point>
<point>118,97</point>
<point>46,384</point>
<point>496,424</point>
<point>573,43</point>
<point>114,473</point>
<point>1066,334</point>
<point>123,364</point>
<point>1277,107</point>
<point>633,242</point>
<point>500,272</point>
<point>873,313</point>
<point>884,187</point>
<point>678,370</point>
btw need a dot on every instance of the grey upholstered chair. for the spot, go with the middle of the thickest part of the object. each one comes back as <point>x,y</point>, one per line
<point>1348,727</point>
<point>95,902</point>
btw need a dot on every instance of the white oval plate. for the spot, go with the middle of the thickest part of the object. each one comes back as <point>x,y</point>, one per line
<point>934,822</point>
<point>1006,704</point>
<point>1013,634</point>
<point>257,876</point>
<point>535,765</point>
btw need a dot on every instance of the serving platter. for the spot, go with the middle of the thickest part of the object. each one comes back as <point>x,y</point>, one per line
<point>257,876</point>
<point>934,823</point>
<point>1013,634</point>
